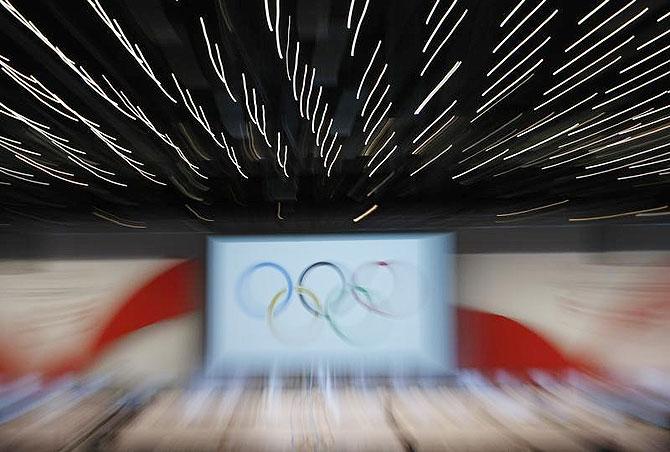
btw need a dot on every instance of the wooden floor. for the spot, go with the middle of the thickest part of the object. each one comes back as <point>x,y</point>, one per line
<point>471,415</point>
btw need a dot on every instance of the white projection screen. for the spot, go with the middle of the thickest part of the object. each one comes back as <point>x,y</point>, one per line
<point>379,304</point>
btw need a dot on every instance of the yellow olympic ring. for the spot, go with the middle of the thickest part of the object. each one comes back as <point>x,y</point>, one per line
<point>278,296</point>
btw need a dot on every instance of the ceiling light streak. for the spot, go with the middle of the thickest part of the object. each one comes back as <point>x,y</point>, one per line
<point>663,17</point>
<point>651,41</point>
<point>325,137</point>
<point>330,167</point>
<point>366,213</point>
<point>278,148</point>
<point>480,165</point>
<point>288,42</point>
<point>230,151</point>
<point>378,186</point>
<point>13,146</point>
<point>526,39</point>
<point>372,159</point>
<point>634,176</point>
<point>418,137</point>
<point>589,66</point>
<point>516,66</point>
<point>651,111</point>
<point>655,162</point>
<point>430,138</point>
<point>323,116</point>
<point>267,15</point>
<point>510,86</point>
<point>439,24</point>
<point>599,26</point>
<point>281,57</point>
<point>309,94</point>
<point>444,41</point>
<point>437,88</point>
<point>134,51</point>
<point>374,54</point>
<point>255,117</point>
<point>621,85</point>
<point>595,10</point>
<point>316,108</point>
<point>367,140</point>
<point>509,16</point>
<point>302,91</point>
<point>41,92</point>
<point>662,93</point>
<point>47,170</point>
<point>630,91</point>
<point>569,63</point>
<point>197,215</point>
<point>585,137</point>
<point>494,132</point>
<point>623,71</point>
<point>560,114</point>
<point>432,10</point>
<point>374,88</point>
<point>546,140</point>
<point>285,159</point>
<point>68,62</point>
<point>295,69</point>
<point>183,190</point>
<point>218,68</point>
<point>330,148</point>
<point>351,11</point>
<point>10,173</point>
<point>519,25</point>
<point>575,85</point>
<point>642,126</point>
<point>372,113</point>
<point>503,140</point>
<point>564,161</point>
<point>534,209</point>
<point>598,173</point>
<point>358,28</point>
<point>383,160</point>
<point>119,222</point>
<point>413,173</point>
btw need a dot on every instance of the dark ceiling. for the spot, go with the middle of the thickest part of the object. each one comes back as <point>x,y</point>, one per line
<point>122,112</point>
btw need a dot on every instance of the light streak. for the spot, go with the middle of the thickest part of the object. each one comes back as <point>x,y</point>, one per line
<point>534,209</point>
<point>595,10</point>
<point>509,16</point>
<point>444,41</point>
<point>358,27</point>
<point>432,10</point>
<point>360,85</point>
<point>413,173</point>
<point>366,213</point>
<point>437,88</point>
<point>617,215</point>
<point>372,159</point>
<point>383,160</point>
<point>374,88</point>
<point>480,165</point>
<point>519,25</point>
<point>437,27</point>
<point>600,25</point>
<point>526,39</point>
<point>418,137</point>
<point>569,63</point>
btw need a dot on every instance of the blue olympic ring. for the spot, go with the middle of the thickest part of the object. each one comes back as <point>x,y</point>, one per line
<point>281,305</point>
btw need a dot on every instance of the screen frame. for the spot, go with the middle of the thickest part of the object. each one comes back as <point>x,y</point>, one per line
<point>449,335</point>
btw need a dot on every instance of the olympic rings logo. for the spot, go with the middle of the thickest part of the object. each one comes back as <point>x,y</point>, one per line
<point>356,288</point>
